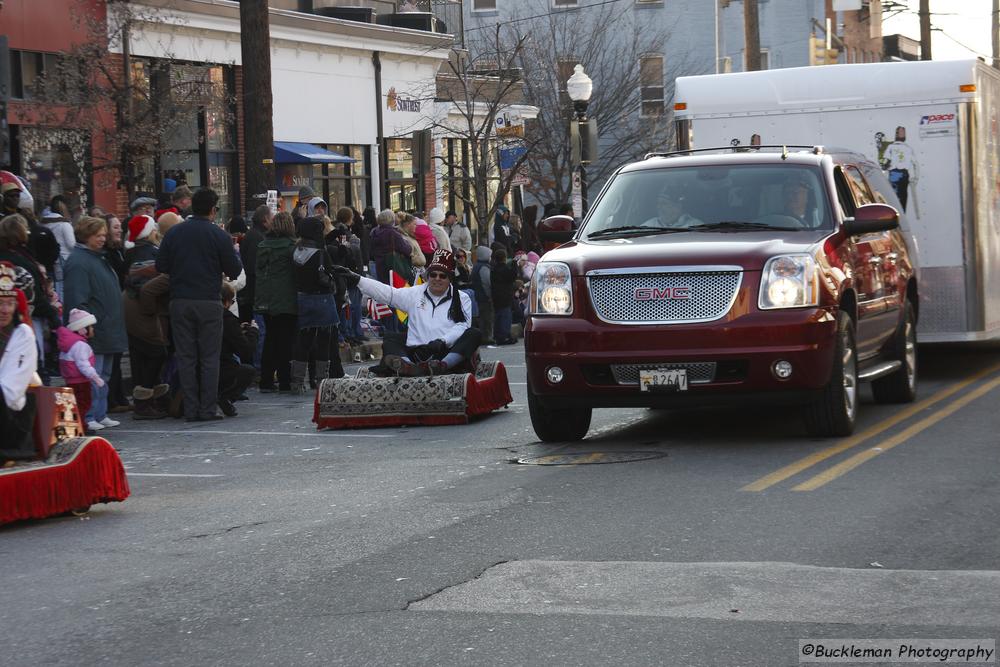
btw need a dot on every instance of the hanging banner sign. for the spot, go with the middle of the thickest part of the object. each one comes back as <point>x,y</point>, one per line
<point>510,125</point>
<point>510,155</point>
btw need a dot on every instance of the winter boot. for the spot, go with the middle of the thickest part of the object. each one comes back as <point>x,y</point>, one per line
<point>299,371</point>
<point>336,368</point>
<point>161,397</point>
<point>145,405</point>
<point>322,368</point>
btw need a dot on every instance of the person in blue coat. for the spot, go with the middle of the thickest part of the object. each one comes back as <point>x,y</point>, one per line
<point>195,254</point>
<point>92,285</point>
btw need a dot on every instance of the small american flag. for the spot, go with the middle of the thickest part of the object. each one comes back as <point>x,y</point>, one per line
<point>377,310</point>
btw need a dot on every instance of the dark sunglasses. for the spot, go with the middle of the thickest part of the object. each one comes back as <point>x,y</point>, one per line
<point>437,274</point>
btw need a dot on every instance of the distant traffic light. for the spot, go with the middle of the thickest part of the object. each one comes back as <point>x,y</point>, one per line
<point>819,54</point>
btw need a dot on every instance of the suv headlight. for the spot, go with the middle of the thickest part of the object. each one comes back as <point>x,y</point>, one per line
<point>552,289</point>
<point>789,281</point>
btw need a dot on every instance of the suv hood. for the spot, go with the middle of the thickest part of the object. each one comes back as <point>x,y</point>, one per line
<point>750,250</point>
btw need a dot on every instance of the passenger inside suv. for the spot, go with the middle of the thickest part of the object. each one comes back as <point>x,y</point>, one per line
<point>670,209</point>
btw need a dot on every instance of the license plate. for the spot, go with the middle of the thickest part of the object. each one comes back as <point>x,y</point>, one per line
<point>675,379</point>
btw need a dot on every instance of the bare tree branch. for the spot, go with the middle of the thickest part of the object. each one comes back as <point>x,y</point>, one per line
<point>473,90</point>
<point>88,84</point>
<point>609,43</point>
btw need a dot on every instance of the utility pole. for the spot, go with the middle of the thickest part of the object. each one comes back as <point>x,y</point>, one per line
<point>258,131</point>
<point>751,34</point>
<point>126,107</point>
<point>925,29</point>
<point>995,24</point>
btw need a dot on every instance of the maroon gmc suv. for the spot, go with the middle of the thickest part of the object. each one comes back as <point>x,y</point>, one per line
<point>778,275</point>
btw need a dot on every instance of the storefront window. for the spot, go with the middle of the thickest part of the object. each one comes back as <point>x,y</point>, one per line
<point>337,195</point>
<point>360,167</point>
<point>341,184</point>
<point>458,187</point>
<point>183,167</point>
<point>221,175</point>
<point>401,184</point>
<point>403,196</point>
<point>399,158</point>
<point>201,147</point>
<point>56,162</point>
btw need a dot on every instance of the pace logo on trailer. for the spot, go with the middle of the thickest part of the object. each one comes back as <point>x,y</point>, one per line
<point>938,125</point>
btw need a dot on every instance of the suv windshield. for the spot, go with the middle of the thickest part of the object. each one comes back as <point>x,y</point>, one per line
<point>752,197</point>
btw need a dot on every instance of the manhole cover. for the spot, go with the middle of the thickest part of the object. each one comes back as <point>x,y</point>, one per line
<point>588,458</point>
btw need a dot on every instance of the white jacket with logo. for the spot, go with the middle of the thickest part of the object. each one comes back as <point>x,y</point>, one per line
<point>17,366</point>
<point>428,315</point>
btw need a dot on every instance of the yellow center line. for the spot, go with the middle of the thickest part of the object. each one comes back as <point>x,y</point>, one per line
<point>822,455</point>
<point>590,458</point>
<point>898,439</point>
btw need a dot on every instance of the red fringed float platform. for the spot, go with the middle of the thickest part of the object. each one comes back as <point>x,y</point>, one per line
<point>367,400</point>
<point>78,473</point>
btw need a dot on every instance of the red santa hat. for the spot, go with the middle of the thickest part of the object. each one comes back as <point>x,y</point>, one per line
<point>139,227</point>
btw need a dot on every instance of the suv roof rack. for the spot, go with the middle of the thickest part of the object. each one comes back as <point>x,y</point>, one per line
<point>737,148</point>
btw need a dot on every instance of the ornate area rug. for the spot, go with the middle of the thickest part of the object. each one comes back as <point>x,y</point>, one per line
<point>367,400</point>
<point>78,473</point>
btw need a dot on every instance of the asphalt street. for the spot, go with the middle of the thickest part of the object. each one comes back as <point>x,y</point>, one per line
<point>259,541</point>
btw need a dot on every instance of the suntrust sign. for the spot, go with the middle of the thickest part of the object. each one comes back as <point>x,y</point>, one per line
<point>394,102</point>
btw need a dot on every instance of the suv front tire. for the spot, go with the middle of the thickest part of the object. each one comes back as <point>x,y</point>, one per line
<point>565,425</point>
<point>834,412</point>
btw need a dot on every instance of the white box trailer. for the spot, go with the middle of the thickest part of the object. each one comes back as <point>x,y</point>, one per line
<point>934,126</point>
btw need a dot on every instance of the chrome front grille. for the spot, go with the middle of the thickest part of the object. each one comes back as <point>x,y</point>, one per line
<point>648,296</point>
<point>698,372</point>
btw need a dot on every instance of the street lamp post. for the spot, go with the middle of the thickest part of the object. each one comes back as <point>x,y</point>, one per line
<point>579,87</point>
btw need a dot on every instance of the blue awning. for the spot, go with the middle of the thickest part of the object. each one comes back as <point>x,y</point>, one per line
<point>289,152</point>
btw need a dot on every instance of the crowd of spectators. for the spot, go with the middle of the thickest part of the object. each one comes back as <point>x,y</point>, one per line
<point>205,308</point>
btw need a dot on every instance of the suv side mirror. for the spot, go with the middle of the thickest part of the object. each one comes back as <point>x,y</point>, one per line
<point>871,218</point>
<point>556,229</point>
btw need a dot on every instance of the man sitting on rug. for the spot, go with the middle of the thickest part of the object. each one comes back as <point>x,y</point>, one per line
<point>440,337</point>
<point>18,360</point>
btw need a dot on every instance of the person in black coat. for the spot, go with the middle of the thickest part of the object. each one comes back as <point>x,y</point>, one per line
<point>239,341</point>
<point>260,223</point>
<point>345,250</point>
<point>502,277</point>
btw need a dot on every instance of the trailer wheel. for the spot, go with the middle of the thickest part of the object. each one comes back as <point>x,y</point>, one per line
<point>565,425</point>
<point>901,386</point>
<point>833,414</point>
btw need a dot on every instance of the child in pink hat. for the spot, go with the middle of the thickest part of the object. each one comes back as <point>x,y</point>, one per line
<point>76,362</point>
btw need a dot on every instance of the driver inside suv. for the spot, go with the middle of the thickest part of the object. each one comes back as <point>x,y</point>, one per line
<point>795,195</point>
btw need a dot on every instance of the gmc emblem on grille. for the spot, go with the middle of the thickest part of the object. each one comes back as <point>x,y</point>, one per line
<point>661,294</point>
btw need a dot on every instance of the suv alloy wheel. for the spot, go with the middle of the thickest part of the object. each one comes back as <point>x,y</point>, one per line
<point>834,412</point>
<point>901,386</point>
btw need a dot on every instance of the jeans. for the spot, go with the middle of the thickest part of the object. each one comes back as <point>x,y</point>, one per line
<point>103,363</point>
<point>501,325</point>
<point>354,295</point>
<point>314,341</point>
<point>262,328</point>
